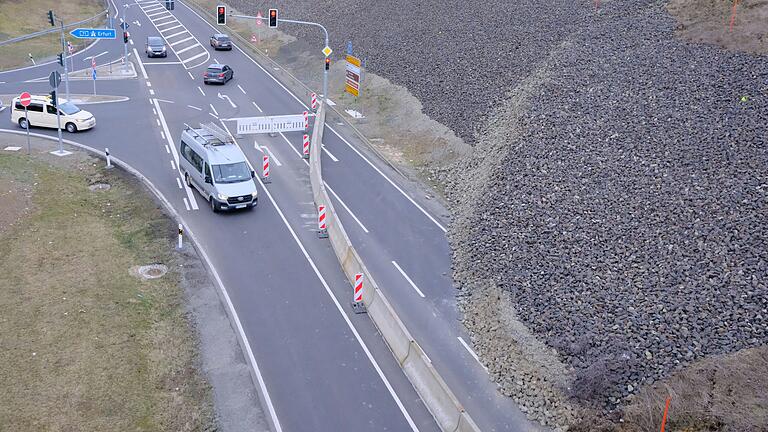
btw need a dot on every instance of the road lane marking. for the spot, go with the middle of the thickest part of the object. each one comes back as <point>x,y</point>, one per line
<point>186,203</point>
<point>191,197</point>
<point>183,50</point>
<point>171,17</point>
<point>471,352</point>
<point>345,207</point>
<point>335,300</point>
<point>158,122</point>
<point>215,60</point>
<point>211,114</point>
<point>221,96</point>
<point>241,89</point>
<point>197,56</point>
<point>141,64</point>
<point>257,107</point>
<point>162,134</point>
<point>155,14</point>
<point>190,75</point>
<point>167,150</point>
<point>333,158</point>
<point>152,92</point>
<point>272,155</point>
<point>173,165</point>
<point>194,107</point>
<point>201,91</point>
<point>176,34</point>
<point>213,109</point>
<point>131,41</point>
<point>389,180</point>
<point>181,41</point>
<point>394,263</point>
<point>154,111</point>
<point>178,182</point>
<point>157,63</point>
<point>149,84</point>
<point>169,28</point>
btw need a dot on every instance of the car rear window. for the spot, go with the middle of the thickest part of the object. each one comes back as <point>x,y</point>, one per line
<point>154,41</point>
<point>214,70</point>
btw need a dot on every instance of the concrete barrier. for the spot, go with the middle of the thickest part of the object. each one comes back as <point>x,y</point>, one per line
<point>438,398</point>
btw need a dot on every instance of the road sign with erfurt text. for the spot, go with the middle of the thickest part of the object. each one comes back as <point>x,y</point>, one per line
<point>87,33</point>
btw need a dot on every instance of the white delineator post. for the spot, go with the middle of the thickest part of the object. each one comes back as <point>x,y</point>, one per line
<point>305,146</point>
<point>306,121</point>
<point>181,232</point>
<point>109,159</point>
<point>265,168</point>
<point>313,102</point>
<point>322,231</point>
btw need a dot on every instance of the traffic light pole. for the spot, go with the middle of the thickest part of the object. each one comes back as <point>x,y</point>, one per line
<point>65,55</point>
<point>125,43</point>
<point>279,20</point>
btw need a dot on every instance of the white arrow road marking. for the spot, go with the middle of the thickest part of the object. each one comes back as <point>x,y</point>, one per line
<point>257,146</point>
<point>137,23</point>
<point>272,156</point>
<point>221,96</point>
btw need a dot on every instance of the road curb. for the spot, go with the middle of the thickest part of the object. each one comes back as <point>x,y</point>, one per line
<point>434,392</point>
<point>242,339</point>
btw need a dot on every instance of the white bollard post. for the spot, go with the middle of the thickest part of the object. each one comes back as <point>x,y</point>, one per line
<point>109,159</point>
<point>181,232</point>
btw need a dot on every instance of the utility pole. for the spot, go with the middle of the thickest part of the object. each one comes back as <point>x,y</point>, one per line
<point>125,39</point>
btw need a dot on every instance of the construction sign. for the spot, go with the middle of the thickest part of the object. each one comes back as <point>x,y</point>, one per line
<point>353,76</point>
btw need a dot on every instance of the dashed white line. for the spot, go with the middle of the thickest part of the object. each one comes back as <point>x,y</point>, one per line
<point>192,201</point>
<point>201,91</point>
<point>346,208</point>
<point>241,89</point>
<point>394,263</point>
<point>213,109</point>
<point>149,84</point>
<point>167,150</point>
<point>215,60</point>
<point>471,352</point>
<point>173,165</point>
<point>330,155</point>
<point>178,182</point>
<point>194,107</point>
<point>190,75</point>
<point>162,134</point>
<point>131,41</point>
<point>257,107</point>
<point>158,122</point>
<point>154,111</point>
<point>152,92</point>
<point>186,203</point>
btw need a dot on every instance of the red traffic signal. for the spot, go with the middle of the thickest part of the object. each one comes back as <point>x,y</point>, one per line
<point>221,15</point>
<point>327,63</point>
<point>125,37</point>
<point>273,18</point>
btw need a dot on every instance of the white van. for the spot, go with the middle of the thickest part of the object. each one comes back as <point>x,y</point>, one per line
<point>43,114</point>
<point>214,165</point>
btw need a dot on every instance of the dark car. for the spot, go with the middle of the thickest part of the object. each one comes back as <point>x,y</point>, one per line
<point>221,42</point>
<point>218,73</point>
<point>156,47</point>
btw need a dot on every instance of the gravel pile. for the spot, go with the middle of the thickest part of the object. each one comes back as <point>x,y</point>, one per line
<point>628,220</point>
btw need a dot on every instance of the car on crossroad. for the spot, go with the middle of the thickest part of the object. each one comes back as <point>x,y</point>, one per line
<point>155,47</point>
<point>218,73</point>
<point>221,41</point>
<point>42,113</point>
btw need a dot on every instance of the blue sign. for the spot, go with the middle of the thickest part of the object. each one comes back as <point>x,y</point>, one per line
<point>94,74</point>
<point>84,33</point>
<point>349,47</point>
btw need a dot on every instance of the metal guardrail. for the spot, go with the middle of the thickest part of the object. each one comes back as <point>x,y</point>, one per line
<point>52,30</point>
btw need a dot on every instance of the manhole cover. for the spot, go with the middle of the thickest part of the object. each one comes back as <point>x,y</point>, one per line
<point>152,271</point>
<point>99,186</point>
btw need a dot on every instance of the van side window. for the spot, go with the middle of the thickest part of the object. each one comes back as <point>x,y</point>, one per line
<point>186,152</point>
<point>207,170</point>
<point>35,107</point>
<point>51,109</point>
<point>197,161</point>
<point>18,106</point>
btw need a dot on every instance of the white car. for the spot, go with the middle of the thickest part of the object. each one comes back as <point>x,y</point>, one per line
<point>42,113</point>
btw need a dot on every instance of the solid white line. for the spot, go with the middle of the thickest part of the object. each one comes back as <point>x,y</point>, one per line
<point>241,89</point>
<point>272,156</point>
<point>155,14</point>
<point>178,182</point>
<point>141,64</point>
<point>330,155</point>
<point>186,203</point>
<point>257,107</point>
<point>394,263</point>
<point>152,92</point>
<point>471,352</point>
<point>156,63</point>
<point>213,109</point>
<point>169,28</point>
<point>336,302</point>
<point>194,107</point>
<point>190,75</point>
<point>171,17</point>
<point>346,208</point>
<point>197,56</point>
<point>181,41</point>
<point>211,114</point>
<point>215,60</point>
<point>175,34</point>
<point>292,147</point>
<point>201,91</point>
<point>192,201</point>
<point>187,49</point>
<point>167,150</point>
<point>389,180</point>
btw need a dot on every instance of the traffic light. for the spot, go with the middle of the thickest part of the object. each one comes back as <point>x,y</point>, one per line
<point>125,37</point>
<point>60,57</point>
<point>221,15</point>
<point>327,63</point>
<point>52,95</point>
<point>50,18</point>
<point>273,18</point>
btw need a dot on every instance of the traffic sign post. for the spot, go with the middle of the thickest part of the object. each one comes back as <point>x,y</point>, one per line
<point>24,99</point>
<point>54,79</point>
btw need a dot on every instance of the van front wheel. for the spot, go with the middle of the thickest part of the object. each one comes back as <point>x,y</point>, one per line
<point>71,128</point>
<point>23,123</point>
<point>214,206</point>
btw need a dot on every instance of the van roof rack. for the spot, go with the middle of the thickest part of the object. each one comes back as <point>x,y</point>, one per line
<point>213,134</point>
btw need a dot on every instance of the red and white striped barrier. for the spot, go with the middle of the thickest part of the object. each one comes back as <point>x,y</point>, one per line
<point>313,102</point>
<point>358,298</point>
<point>265,168</point>
<point>321,225</point>
<point>305,146</point>
<point>306,120</point>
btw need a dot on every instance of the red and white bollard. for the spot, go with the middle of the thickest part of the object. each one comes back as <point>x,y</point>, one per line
<point>306,121</point>
<point>265,169</point>
<point>357,299</point>
<point>305,146</point>
<point>313,102</point>
<point>322,231</point>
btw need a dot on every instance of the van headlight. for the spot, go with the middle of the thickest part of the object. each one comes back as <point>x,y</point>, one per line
<point>222,197</point>
<point>253,194</point>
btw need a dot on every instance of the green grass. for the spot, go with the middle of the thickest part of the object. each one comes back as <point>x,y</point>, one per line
<point>85,344</point>
<point>20,17</point>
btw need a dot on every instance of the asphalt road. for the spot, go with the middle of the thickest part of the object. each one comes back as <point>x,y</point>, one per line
<point>323,367</point>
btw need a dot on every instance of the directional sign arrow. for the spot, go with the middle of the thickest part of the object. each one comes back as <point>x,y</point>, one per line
<point>221,96</point>
<point>90,33</point>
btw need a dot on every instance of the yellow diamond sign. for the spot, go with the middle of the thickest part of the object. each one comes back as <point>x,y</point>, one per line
<point>327,51</point>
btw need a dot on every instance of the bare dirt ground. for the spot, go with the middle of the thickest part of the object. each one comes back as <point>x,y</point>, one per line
<point>709,21</point>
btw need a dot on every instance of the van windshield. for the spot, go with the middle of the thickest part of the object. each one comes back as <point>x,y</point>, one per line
<point>231,173</point>
<point>69,108</point>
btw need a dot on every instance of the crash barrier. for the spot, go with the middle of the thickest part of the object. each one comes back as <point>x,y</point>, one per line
<point>437,397</point>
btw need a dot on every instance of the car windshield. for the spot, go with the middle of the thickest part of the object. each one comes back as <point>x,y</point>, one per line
<point>231,173</point>
<point>69,108</point>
